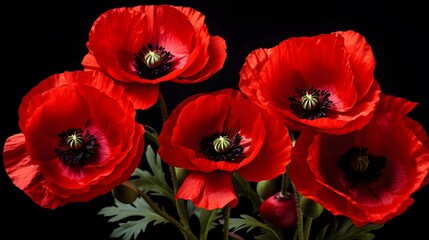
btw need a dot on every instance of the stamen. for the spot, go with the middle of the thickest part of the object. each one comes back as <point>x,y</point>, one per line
<point>74,147</point>
<point>360,163</point>
<point>361,167</point>
<point>75,141</point>
<point>219,146</point>
<point>152,59</point>
<point>311,104</point>
<point>222,144</point>
<point>152,63</point>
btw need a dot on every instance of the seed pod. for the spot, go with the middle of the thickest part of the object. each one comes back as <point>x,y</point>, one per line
<point>126,192</point>
<point>281,211</point>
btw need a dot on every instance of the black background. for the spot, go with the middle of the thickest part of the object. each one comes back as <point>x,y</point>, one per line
<point>40,39</point>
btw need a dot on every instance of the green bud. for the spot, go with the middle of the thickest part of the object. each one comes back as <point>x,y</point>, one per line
<point>266,188</point>
<point>310,208</point>
<point>126,192</point>
<point>181,174</point>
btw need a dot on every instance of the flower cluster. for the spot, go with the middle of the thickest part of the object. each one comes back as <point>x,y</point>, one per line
<point>307,132</point>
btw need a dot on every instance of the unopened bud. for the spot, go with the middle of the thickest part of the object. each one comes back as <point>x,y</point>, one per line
<point>181,174</point>
<point>266,188</point>
<point>310,208</point>
<point>126,192</point>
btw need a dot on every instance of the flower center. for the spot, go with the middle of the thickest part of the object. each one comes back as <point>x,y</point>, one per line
<point>152,63</point>
<point>153,59</point>
<point>222,146</point>
<point>361,167</point>
<point>75,147</point>
<point>310,104</point>
<point>75,141</point>
<point>360,163</point>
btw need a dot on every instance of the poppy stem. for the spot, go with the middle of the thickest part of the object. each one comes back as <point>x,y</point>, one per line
<point>299,227</point>
<point>162,106</point>
<point>186,231</point>
<point>287,185</point>
<point>226,223</point>
<point>180,205</point>
<point>307,228</point>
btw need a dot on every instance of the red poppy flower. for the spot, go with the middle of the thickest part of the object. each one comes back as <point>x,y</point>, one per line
<point>324,82</point>
<point>145,45</point>
<point>79,139</point>
<point>214,135</point>
<point>367,175</point>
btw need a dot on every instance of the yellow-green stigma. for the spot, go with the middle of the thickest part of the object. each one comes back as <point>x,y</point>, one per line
<point>361,167</point>
<point>75,141</point>
<point>151,62</point>
<point>222,144</point>
<point>76,146</point>
<point>309,101</point>
<point>152,59</point>
<point>360,163</point>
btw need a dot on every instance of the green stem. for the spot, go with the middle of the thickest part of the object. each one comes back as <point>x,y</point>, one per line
<point>180,204</point>
<point>187,233</point>
<point>286,183</point>
<point>163,106</point>
<point>307,228</point>
<point>284,190</point>
<point>152,137</point>
<point>226,223</point>
<point>299,227</point>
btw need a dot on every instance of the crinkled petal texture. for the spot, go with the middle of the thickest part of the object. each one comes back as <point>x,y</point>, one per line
<point>83,100</point>
<point>118,34</point>
<point>265,142</point>
<point>316,173</point>
<point>341,63</point>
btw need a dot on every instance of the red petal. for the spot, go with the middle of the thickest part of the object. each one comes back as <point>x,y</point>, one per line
<point>362,61</point>
<point>142,95</point>
<point>324,65</point>
<point>114,38</point>
<point>274,155</point>
<point>249,73</point>
<point>280,76</point>
<point>208,190</point>
<point>400,106</point>
<point>216,59</point>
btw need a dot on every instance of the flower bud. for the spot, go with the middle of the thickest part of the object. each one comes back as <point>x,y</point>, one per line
<point>310,208</point>
<point>181,174</point>
<point>280,211</point>
<point>266,188</point>
<point>126,192</point>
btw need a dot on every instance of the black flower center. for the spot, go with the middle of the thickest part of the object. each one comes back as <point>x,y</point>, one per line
<point>361,167</point>
<point>222,146</point>
<point>75,147</point>
<point>310,104</point>
<point>151,63</point>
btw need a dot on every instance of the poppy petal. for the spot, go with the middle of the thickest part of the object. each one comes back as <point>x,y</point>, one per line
<point>208,190</point>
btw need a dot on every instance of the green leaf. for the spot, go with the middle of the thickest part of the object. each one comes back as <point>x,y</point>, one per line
<point>130,229</point>
<point>242,188</point>
<point>205,217</point>
<point>248,222</point>
<point>348,231</point>
<point>322,232</point>
<point>156,182</point>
